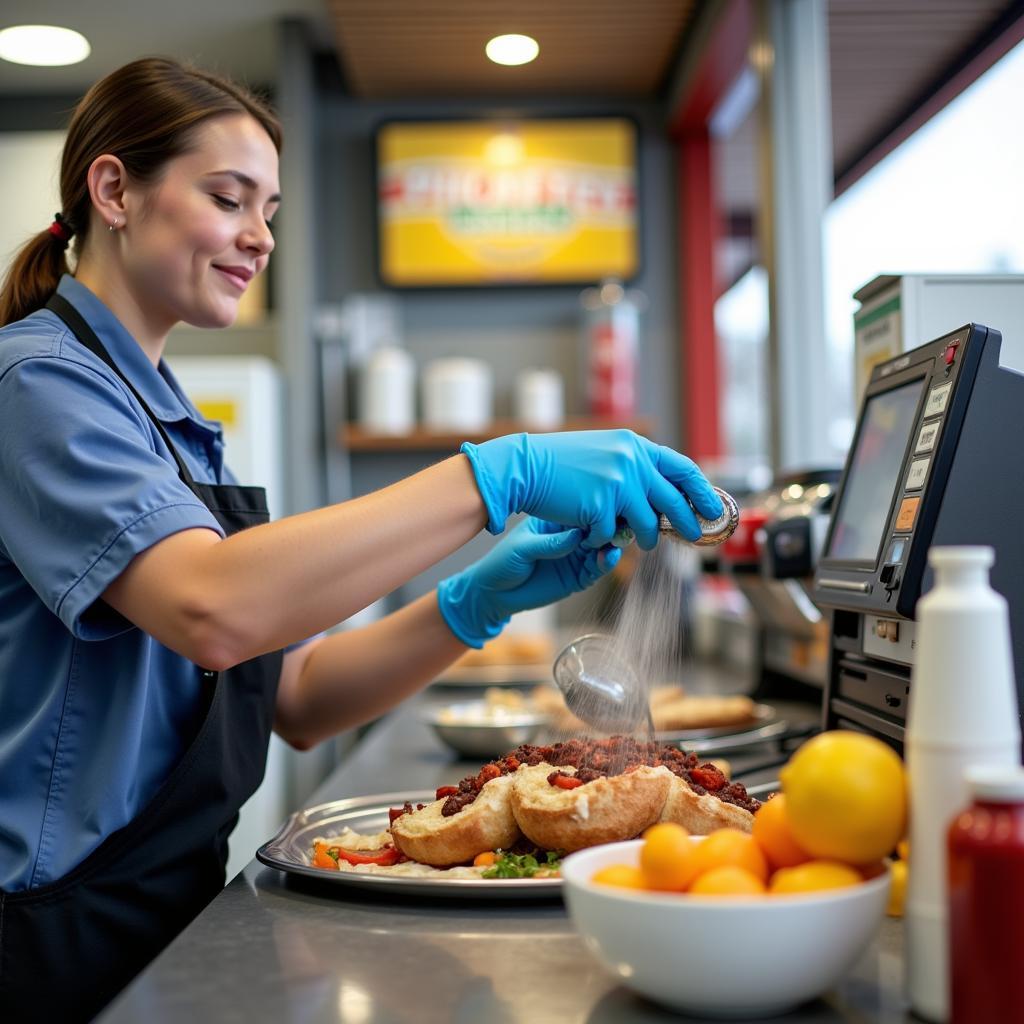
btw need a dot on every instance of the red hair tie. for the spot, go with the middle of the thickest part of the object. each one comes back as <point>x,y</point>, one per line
<point>61,230</point>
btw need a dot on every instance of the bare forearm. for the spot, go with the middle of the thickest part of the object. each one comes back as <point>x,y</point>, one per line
<point>223,601</point>
<point>355,676</point>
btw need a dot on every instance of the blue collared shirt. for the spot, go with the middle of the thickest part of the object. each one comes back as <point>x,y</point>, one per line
<point>94,713</point>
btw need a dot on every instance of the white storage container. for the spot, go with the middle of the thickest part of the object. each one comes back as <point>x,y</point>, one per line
<point>388,396</point>
<point>457,395</point>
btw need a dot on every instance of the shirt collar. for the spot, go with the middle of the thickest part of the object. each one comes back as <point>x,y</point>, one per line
<point>156,384</point>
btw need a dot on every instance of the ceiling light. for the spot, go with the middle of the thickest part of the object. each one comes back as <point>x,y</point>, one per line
<point>512,49</point>
<point>42,45</point>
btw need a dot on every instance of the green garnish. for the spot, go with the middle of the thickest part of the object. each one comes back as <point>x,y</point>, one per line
<point>524,865</point>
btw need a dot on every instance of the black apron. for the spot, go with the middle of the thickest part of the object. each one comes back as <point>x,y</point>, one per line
<point>68,947</point>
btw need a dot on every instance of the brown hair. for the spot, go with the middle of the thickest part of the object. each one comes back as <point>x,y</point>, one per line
<point>145,113</point>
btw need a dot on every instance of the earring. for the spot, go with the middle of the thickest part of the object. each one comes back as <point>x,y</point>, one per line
<point>113,225</point>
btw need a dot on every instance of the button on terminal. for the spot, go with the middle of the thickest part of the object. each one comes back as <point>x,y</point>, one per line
<point>886,629</point>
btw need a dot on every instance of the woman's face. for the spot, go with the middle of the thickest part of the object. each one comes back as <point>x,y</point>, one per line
<point>200,235</point>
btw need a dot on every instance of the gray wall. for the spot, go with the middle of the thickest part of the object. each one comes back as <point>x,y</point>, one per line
<point>511,328</point>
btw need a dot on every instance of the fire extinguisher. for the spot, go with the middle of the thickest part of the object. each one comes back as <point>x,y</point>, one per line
<point>612,329</point>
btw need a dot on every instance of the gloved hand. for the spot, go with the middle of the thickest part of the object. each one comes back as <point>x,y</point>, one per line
<point>537,563</point>
<point>591,479</point>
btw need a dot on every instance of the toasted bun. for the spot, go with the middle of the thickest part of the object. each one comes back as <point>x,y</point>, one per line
<point>702,712</point>
<point>487,823</point>
<point>606,810</point>
<point>701,814</point>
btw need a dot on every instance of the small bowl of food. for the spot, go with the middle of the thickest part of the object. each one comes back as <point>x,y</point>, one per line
<point>495,725</point>
<point>724,956</point>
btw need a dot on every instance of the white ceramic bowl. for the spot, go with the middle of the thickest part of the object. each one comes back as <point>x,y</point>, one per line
<point>729,957</point>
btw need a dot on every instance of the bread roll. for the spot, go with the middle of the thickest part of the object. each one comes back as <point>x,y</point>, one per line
<point>702,712</point>
<point>487,823</point>
<point>702,813</point>
<point>606,810</point>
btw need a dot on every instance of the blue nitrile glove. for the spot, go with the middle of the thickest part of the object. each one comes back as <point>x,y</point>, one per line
<point>536,564</point>
<point>591,479</point>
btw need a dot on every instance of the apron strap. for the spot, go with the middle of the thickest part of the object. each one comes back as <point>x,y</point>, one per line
<point>87,336</point>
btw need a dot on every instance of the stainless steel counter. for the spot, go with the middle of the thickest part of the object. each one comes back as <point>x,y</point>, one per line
<point>270,948</point>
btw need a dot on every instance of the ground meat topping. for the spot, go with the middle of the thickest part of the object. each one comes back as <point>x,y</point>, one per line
<point>469,787</point>
<point>598,758</point>
<point>618,755</point>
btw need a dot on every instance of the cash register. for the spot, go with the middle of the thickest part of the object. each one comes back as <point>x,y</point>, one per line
<point>937,459</point>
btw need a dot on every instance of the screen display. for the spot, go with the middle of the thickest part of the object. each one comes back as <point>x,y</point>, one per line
<point>874,473</point>
<point>544,201</point>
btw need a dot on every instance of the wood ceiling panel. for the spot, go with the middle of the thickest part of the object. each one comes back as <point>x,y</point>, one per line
<point>407,47</point>
<point>886,54</point>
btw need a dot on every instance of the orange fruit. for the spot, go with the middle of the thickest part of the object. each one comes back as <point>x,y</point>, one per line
<point>622,876</point>
<point>665,857</point>
<point>812,877</point>
<point>775,836</point>
<point>845,797</point>
<point>727,880</point>
<point>728,847</point>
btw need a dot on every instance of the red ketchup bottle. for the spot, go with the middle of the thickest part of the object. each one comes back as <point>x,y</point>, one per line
<point>986,899</point>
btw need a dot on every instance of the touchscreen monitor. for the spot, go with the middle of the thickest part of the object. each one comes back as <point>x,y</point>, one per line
<point>874,473</point>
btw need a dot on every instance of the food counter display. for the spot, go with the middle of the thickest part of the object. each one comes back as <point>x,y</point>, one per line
<point>276,947</point>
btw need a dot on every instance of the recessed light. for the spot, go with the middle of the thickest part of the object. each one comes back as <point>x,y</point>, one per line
<point>512,49</point>
<point>43,45</point>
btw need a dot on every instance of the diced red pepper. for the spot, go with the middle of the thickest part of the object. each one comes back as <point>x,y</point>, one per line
<point>708,776</point>
<point>443,791</point>
<point>384,857</point>
<point>567,781</point>
<point>488,772</point>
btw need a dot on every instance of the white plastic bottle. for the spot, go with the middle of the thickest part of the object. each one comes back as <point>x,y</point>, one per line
<point>963,711</point>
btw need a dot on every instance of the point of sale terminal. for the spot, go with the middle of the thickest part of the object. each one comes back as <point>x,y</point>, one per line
<point>937,459</point>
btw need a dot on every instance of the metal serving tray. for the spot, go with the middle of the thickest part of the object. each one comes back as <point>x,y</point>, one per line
<point>289,851</point>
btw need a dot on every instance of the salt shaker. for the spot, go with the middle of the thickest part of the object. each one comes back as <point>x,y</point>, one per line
<point>712,531</point>
<point>962,712</point>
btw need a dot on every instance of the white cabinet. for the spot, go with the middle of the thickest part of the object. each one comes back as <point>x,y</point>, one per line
<point>901,312</point>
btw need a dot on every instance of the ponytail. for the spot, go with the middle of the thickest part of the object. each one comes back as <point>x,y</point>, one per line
<point>145,113</point>
<point>33,276</point>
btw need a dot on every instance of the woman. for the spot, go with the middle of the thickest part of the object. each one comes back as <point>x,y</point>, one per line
<point>153,625</point>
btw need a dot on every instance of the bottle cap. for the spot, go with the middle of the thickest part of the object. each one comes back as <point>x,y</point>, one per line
<point>998,783</point>
<point>961,556</point>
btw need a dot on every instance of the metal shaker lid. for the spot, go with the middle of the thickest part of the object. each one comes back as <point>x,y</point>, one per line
<point>712,531</point>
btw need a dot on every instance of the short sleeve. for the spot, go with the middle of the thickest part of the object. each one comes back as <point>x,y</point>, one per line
<point>84,487</point>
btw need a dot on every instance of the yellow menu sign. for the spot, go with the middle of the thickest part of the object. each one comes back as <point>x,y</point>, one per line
<point>480,202</point>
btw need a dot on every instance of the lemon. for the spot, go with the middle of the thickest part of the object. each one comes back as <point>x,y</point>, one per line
<point>845,797</point>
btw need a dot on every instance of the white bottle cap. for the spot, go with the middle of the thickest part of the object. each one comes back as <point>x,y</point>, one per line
<point>955,556</point>
<point>999,783</point>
